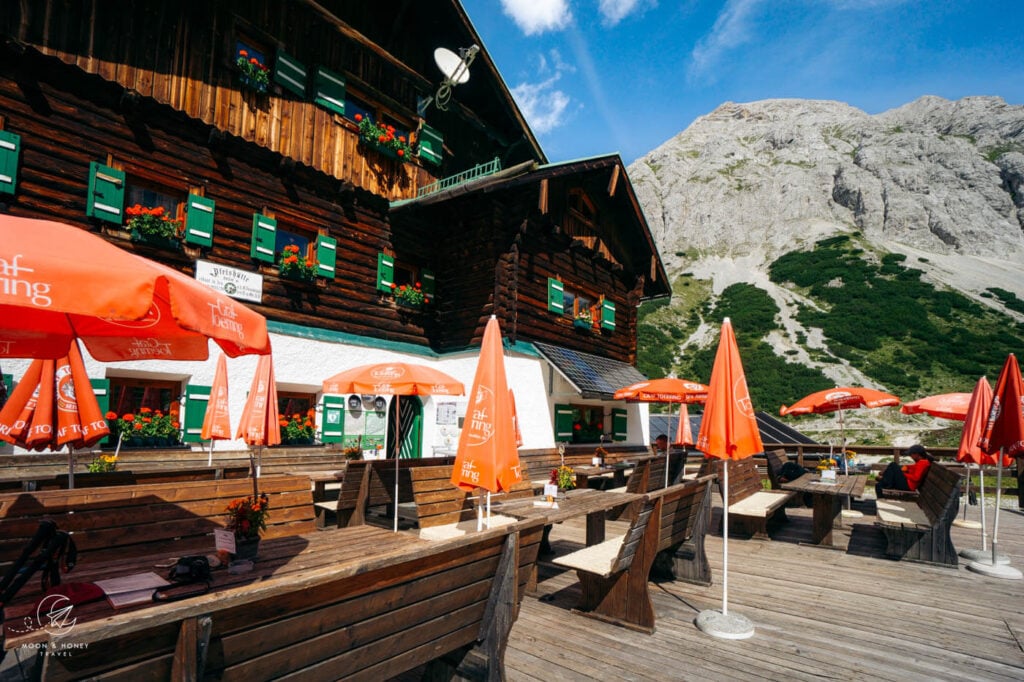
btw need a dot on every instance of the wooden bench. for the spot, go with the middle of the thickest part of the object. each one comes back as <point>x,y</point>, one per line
<point>614,574</point>
<point>444,510</point>
<point>118,523</point>
<point>917,528</point>
<point>751,507</point>
<point>539,463</point>
<point>361,603</point>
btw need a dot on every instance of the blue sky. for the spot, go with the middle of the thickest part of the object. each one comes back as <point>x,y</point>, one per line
<point>600,76</point>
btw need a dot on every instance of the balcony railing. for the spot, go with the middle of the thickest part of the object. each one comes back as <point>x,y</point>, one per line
<point>478,171</point>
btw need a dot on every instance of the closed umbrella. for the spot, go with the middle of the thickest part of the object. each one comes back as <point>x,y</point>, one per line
<point>487,456</point>
<point>1003,435</point>
<point>53,406</point>
<point>970,452</point>
<point>217,420</point>
<point>728,430</point>
<point>64,282</point>
<point>260,424</point>
<point>397,379</point>
<point>666,390</point>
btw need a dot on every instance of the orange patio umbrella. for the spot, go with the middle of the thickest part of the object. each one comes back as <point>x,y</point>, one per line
<point>260,424</point>
<point>1003,434</point>
<point>970,452</point>
<point>487,456</point>
<point>397,379</point>
<point>53,406</point>
<point>217,420</point>
<point>728,430</point>
<point>666,390</point>
<point>63,282</point>
<point>943,405</point>
<point>839,399</point>
<point>684,434</point>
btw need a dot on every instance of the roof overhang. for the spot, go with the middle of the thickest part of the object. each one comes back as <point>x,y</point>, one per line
<point>591,375</point>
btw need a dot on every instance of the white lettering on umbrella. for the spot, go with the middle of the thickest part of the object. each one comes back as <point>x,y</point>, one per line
<point>11,285</point>
<point>149,348</point>
<point>481,427</point>
<point>469,472</point>
<point>224,316</point>
<point>742,396</point>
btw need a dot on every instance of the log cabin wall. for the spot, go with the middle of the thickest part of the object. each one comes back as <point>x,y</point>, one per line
<point>183,55</point>
<point>66,121</point>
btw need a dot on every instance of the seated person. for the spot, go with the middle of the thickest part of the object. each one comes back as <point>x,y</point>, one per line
<point>661,444</point>
<point>907,477</point>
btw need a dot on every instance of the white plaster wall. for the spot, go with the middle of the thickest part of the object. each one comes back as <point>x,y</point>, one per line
<point>303,364</point>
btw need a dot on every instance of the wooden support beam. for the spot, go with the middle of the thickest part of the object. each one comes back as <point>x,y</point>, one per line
<point>613,182</point>
<point>190,652</point>
<point>542,200</point>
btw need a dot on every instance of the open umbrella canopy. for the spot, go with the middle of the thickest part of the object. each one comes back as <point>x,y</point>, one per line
<point>487,456</point>
<point>62,282</point>
<point>840,398</point>
<point>943,405</point>
<point>666,390</point>
<point>53,406</point>
<point>394,378</point>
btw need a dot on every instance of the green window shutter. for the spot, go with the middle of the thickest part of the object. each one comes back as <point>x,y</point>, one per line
<point>556,296</point>
<point>431,145</point>
<point>330,90</point>
<point>385,272</point>
<point>427,283</point>
<point>620,425</point>
<point>196,400</point>
<point>326,256</point>
<point>332,426</point>
<point>10,149</point>
<point>264,238</point>
<point>101,388</point>
<point>106,193</point>
<point>563,423</point>
<point>8,380</point>
<point>608,315</point>
<point>290,73</point>
<point>199,213</point>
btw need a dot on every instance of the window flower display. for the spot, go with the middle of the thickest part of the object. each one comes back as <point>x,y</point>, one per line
<point>153,223</point>
<point>411,296</point>
<point>299,428</point>
<point>294,266</point>
<point>383,136</point>
<point>254,74</point>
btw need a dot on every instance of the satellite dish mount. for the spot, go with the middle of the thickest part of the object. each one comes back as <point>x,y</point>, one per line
<point>455,68</point>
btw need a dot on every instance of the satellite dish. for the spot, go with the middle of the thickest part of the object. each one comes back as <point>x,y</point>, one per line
<point>451,65</point>
<point>455,68</point>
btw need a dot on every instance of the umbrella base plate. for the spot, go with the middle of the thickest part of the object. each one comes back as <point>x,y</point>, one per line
<point>852,514</point>
<point>1004,571</point>
<point>964,523</point>
<point>984,556</point>
<point>725,626</point>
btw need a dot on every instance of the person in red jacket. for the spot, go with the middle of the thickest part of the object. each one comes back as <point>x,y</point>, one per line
<point>907,477</point>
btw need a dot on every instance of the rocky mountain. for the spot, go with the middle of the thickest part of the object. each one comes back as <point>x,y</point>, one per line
<point>940,182</point>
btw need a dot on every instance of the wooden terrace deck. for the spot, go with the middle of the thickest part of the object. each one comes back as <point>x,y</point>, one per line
<point>819,614</point>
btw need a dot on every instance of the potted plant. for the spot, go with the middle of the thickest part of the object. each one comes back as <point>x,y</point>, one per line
<point>383,137</point>
<point>564,477</point>
<point>252,73</point>
<point>103,463</point>
<point>292,266</point>
<point>299,429</point>
<point>410,296</point>
<point>247,517</point>
<point>583,320</point>
<point>152,225</point>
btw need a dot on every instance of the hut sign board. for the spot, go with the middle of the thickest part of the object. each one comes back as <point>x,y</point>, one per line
<point>240,284</point>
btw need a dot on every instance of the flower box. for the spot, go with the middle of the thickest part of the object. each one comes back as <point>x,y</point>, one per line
<point>581,323</point>
<point>383,138</point>
<point>159,242</point>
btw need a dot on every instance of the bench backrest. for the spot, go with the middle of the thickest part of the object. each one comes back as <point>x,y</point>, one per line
<point>439,502</point>
<point>539,463</point>
<point>939,495</point>
<point>645,509</point>
<point>744,479</point>
<point>113,521</point>
<point>776,460</point>
<point>684,506</point>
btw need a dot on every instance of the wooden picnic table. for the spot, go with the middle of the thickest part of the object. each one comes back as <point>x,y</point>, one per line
<point>827,500</point>
<point>320,479</point>
<point>617,473</point>
<point>578,502</point>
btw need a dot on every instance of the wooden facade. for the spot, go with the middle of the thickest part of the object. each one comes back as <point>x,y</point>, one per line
<point>151,99</point>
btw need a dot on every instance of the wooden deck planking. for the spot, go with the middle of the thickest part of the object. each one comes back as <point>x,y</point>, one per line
<point>846,614</point>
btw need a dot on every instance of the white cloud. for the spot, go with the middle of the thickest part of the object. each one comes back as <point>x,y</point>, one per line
<point>542,104</point>
<point>732,28</point>
<point>614,11</point>
<point>537,16</point>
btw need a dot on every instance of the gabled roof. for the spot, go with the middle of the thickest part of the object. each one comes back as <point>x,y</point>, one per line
<point>632,224</point>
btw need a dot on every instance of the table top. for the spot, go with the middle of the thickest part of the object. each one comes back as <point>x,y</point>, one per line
<point>282,563</point>
<point>852,485</point>
<point>578,502</point>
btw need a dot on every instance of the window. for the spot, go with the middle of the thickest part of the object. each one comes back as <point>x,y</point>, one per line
<point>579,423</point>
<point>355,105</point>
<point>294,236</point>
<point>149,196</point>
<point>298,417</point>
<point>133,396</point>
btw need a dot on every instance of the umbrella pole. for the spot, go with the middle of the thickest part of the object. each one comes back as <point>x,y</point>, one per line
<point>668,444</point>
<point>999,492</point>
<point>725,537</point>
<point>996,566</point>
<point>967,491</point>
<point>209,459</point>
<point>398,451</point>
<point>71,467</point>
<point>981,503</point>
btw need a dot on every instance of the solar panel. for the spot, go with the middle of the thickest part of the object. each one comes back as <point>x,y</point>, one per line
<point>591,375</point>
